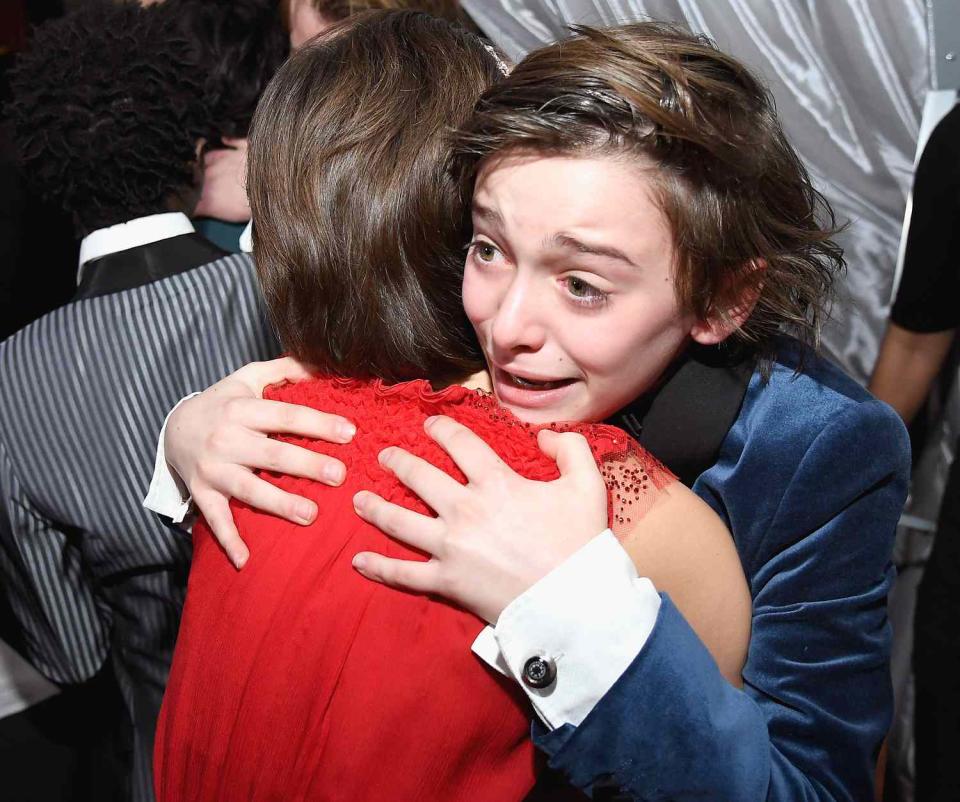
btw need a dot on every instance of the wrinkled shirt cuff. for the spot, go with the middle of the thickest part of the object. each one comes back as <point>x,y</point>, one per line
<point>168,495</point>
<point>591,616</point>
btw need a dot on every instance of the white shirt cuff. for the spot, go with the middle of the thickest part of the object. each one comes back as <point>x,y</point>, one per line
<point>591,615</point>
<point>168,495</point>
<point>246,238</point>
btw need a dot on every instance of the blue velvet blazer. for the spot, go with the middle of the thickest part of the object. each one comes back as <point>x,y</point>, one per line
<point>811,479</point>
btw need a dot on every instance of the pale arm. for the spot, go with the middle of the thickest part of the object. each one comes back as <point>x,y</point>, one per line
<point>683,547</point>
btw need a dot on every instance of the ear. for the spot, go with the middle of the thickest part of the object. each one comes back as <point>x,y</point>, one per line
<point>724,322</point>
<point>198,163</point>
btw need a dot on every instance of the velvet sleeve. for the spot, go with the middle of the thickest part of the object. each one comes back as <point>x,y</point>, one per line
<point>815,531</point>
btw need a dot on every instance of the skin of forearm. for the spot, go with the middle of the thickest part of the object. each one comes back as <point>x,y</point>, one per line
<point>908,363</point>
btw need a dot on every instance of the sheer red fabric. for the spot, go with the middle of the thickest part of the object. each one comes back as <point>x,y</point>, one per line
<point>297,679</point>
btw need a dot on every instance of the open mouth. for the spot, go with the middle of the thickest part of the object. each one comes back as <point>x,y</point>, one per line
<point>533,399</point>
<point>526,392</point>
<point>524,383</point>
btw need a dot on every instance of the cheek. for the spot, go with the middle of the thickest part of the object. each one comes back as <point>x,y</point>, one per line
<point>478,297</point>
<point>623,354</point>
<point>598,350</point>
<point>614,346</point>
<point>621,369</point>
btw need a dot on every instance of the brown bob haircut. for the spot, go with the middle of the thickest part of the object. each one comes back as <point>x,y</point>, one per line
<point>359,227</point>
<point>746,220</point>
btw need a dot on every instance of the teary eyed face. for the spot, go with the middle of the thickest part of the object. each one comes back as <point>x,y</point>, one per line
<point>569,283</point>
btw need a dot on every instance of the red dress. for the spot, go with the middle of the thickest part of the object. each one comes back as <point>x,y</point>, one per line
<point>298,679</point>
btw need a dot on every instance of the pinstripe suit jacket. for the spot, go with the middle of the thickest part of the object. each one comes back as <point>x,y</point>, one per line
<point>83,394</point>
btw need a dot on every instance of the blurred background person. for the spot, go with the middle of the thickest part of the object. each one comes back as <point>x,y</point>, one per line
<point>36,237</point>
<point>112,105</point>
<point>915,350</point>
<point>45,753</point>
<point>246,43</point>
<point>223,206</point>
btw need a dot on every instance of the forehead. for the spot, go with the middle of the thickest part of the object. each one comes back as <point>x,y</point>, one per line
<point>608,197</point>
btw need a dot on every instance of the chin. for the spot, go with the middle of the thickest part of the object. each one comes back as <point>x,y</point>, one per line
<point>561,413</point>
<point>538,417</point>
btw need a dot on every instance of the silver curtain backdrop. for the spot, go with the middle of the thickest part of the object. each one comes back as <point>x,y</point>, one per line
<point>849,78</point>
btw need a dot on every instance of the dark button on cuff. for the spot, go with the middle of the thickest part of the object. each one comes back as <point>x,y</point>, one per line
<point>539,672</point>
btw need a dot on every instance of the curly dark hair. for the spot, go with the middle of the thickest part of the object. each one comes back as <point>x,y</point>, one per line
<point>105,114</point>
<point>240,44</point>
<point>110,101</point>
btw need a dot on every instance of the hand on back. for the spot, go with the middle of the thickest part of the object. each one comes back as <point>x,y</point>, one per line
<point>494,537</point>
<point>216,440</point>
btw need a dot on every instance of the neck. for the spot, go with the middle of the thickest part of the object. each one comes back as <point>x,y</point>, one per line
<point>475,381</point>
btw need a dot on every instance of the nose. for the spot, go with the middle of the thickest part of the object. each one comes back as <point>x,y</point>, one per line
<point>517,325</point>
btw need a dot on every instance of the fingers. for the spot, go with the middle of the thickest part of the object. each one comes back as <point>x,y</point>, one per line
<point>570,450</point>
<point>232,158</point>
<point>237,445</point>
<point>291,460</point>
<point>258,375</point>
<point>420,577</point>
<point>261,495</point>
<point>473,456</point>
<point>435,487</point>
<point>216,509</point>
<point>277,417</point>
<point>419,531</point>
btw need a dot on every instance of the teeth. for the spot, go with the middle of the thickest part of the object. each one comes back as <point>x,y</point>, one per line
<point>531,384</point>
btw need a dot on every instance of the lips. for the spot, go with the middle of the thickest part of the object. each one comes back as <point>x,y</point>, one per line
<point>525,383</point>
<point>528,392</point>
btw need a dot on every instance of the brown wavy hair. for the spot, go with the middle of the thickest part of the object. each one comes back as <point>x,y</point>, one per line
<point>746,219</point>
<point>359,226</point>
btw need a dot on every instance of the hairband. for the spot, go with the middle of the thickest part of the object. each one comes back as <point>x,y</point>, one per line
<point>501,64</point>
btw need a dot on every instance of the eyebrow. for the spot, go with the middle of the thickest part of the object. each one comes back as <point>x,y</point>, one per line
<point>560,239</point>
<point>488,214</point>
<point>566,241</point>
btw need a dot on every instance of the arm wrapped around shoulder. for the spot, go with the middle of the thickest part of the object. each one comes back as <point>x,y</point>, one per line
<point>814,526</point>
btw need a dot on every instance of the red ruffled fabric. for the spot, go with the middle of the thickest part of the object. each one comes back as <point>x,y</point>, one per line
<point>297,679</point>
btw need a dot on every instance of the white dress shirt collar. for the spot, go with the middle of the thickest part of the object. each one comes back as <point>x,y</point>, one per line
<point>132,234</point>
<point>246,238</point>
